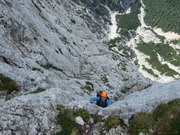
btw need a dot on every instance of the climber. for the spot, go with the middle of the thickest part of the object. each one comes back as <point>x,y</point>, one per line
<point>101,99</point>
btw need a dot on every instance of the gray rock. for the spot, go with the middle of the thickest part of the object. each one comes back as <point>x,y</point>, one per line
<point>47,44</point>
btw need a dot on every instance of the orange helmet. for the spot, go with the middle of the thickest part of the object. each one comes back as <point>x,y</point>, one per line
<point>104,94</point>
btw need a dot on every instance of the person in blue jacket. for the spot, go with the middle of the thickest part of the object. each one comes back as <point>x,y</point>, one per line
<point>101,100</point>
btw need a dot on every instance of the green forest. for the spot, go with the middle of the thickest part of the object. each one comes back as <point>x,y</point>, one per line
<point>165,51</point>
<point>163,14</point>
<point>129,21</point>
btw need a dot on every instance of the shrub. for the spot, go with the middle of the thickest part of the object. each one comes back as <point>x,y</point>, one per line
<point>141,122</point>
<point>111,122</point>
<point>38,90</point>
<point>89,86</point>
<point>36,69</point>
<point>166,116</point>
<point>73,21</point>
<point>7,84</point>
<point>66,119</point>
<point>165,120</point>
<point>83,113</point>
<point>99,118</point>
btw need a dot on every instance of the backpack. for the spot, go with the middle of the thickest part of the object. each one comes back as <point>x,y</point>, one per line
<point>99,94</point>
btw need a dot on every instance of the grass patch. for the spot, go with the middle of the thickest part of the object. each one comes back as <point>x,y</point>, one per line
<point>89,86</point>
<point>7,84</point>
<point>165,51</point>
<point>165,120</point>
<point>38,90</point>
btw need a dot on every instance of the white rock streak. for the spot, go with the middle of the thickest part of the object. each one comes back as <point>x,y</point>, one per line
<point>113,28</point>
<point>168,35</point>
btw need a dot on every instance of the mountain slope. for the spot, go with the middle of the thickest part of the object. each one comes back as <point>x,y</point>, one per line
<point>163,14</point>
<point>55,52</point>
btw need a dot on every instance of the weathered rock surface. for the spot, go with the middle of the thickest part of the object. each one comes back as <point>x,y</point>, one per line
<point>47,44</point>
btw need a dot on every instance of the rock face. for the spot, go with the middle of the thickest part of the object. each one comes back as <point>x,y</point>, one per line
<point>49,44</point>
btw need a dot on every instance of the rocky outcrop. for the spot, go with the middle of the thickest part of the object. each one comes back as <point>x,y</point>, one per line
<point>48,44</point>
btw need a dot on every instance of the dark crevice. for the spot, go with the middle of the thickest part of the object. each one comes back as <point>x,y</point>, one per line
<point>36,6</point>
<point>9,61</point>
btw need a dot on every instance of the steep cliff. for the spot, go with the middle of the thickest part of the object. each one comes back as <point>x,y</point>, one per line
<point>54,50</point>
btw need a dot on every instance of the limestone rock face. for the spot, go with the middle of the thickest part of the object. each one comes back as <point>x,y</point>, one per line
<point>49,44</point>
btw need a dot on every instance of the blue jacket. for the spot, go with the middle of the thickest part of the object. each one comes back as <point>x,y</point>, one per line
<point>99,102</point>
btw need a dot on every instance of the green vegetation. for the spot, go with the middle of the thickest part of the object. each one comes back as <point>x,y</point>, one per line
<point>125,79</point>
<point>164,120</point>
<point>164,14</point>
<point>129,21</point>
<point>89,86</point>
<point>84,114</point>
<point>141,123</point>
<point>66,119</point>
<point>165,51</point>
<point>111,122</point>
<point>32,80</point>
<point>74,43</point>
<point>104,79</point>
<point>38,90</point>
<point>99,118</point>
<point>56,51</point>
<point>113,42</point>
<point>59,50</point>
<point>175,41</point>
<point>73,21</point>
<point>8,98</point>
<point>36,69</point>
<point>124,91</point>
<point>150,71</point>
<point>7,84</point>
